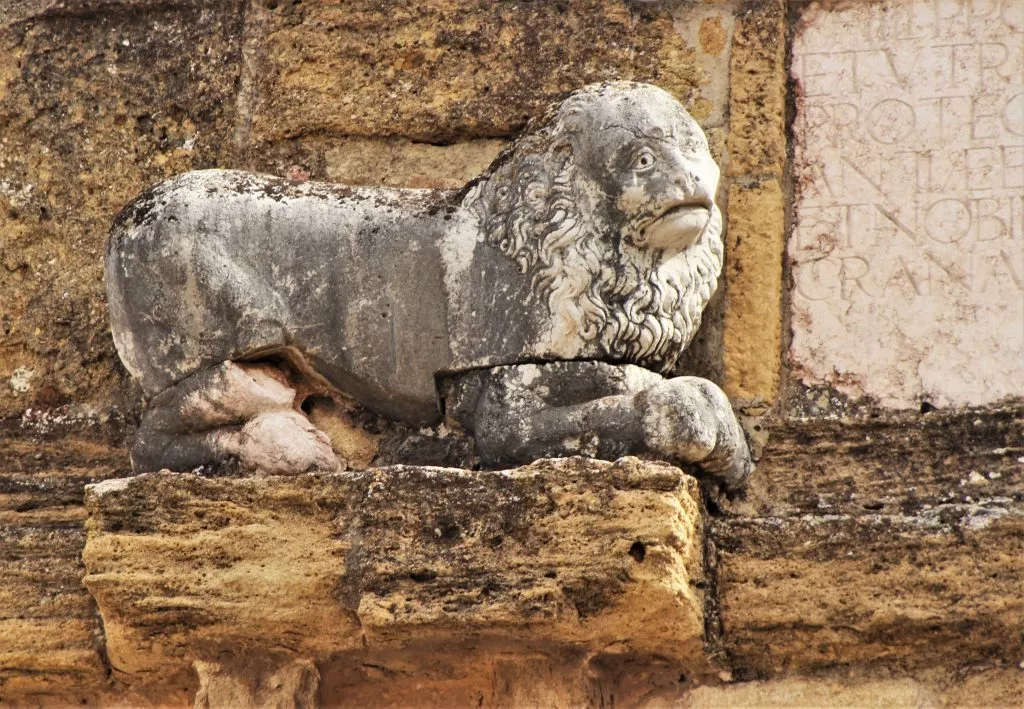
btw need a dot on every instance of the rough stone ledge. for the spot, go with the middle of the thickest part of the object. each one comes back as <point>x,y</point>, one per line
<point>832,563</point>
<point>559,558</point>
<point>884,543</point>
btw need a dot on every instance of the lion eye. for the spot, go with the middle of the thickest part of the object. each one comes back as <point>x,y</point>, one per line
<point>644,160</point>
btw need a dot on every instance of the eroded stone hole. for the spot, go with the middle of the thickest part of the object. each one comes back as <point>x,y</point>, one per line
<point>638,551</point>
<point>448,531</point>
<point>927,407</point>
<point>423,575</point>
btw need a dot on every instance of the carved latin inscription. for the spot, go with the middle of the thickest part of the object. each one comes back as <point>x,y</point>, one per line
<point>908,238</point>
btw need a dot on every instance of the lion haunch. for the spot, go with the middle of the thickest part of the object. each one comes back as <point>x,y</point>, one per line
<point>593,237</point>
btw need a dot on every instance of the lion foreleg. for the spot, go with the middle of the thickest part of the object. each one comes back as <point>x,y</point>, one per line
<point>233,413</point>
<point>690,419</point>
<point>524,412</point>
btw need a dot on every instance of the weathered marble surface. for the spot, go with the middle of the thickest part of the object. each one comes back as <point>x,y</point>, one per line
<point>595,236</point>
<point>908,239</point>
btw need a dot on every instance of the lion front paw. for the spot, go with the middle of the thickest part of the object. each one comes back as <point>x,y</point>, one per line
<point>691,420</point>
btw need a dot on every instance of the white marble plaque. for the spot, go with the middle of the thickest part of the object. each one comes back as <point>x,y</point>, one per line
<point>907,248</point>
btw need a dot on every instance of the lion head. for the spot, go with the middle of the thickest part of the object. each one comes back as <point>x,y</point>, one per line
<point>607,203</point>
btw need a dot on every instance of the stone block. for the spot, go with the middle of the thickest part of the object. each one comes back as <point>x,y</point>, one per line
<point>385,162</point>
<point>803,595</point>
<point>359,161</point>
<point>892,542</point>
<point>439,70</point>
<point>842,689</point>
<point>50,642</point>
<point>908,241</point>
<point>752,334</point>
<point>884,547</point>
<point>757,98</point>
<point>834,693</point>
<point>97,101</point>
<point>568,555</point>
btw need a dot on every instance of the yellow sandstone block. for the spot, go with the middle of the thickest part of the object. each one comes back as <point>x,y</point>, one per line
<point>752,334</point>
<point>757,101</point>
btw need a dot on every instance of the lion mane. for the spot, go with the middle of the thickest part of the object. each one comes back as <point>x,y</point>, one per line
<point>637,305</point>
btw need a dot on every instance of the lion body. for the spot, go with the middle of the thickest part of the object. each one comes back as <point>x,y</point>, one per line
<point>257,265</point>
<point>380,291</point>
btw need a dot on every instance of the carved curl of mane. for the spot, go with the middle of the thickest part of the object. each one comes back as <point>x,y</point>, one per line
<point>638,306</point>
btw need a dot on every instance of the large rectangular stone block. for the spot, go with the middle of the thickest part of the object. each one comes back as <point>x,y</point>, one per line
<point>908,242</point>
<point>882,543</point>
<point>752,336</point>
<point>566,555</point>
<point>439,70</point>
<point>98,100</point>
<point>757,92</point>
<point>50,640</point>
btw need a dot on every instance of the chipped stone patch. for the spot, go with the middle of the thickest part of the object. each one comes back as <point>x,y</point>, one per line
<point>21,380</point>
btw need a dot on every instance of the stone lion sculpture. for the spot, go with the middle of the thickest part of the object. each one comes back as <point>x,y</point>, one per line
<point>537,307</point>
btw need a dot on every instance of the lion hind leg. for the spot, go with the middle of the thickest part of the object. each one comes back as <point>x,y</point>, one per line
<point>237,413</point>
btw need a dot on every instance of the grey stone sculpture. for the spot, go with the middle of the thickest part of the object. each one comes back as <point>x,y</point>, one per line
<point>536,307</point>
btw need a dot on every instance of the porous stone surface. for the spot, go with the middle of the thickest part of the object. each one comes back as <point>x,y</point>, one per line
<point>284,685</point>
<point>403,163</point>
<point>877,694</point>
<point>752,332</point>
<point>908,244</point>
<point>97,99</point>
<point>878,544</point>
<point>864,552</point>
<point>408,76</point>
<point>755,239</point>
<point>757,98</point>
<point>49,637</point>
<point>561,556</point>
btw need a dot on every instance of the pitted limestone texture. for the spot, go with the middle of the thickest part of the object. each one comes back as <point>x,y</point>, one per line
<point>189,569</point>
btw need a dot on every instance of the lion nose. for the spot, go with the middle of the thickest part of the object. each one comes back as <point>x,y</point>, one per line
<point>694,189</point>
<point>697,178</point>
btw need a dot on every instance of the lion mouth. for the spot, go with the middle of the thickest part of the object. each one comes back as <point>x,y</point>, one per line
<point>684,207</point>
<point>678,225</point>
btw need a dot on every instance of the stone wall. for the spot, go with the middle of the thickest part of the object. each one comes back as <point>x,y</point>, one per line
<point>870,327</point>
<point>101,99</point>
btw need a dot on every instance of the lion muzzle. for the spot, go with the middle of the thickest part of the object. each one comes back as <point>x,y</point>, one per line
<point>677,227</point>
